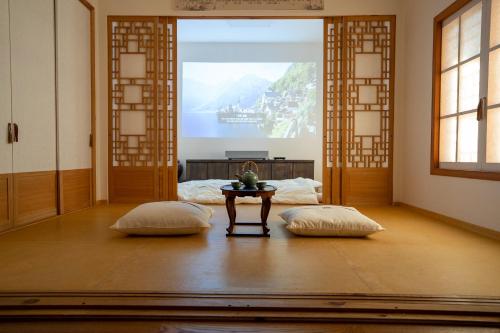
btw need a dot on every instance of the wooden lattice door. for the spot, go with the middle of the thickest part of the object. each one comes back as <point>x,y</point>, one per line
<point>142,112</point>
<point>359,106</point>
<point>332,126</point>
<point>167,109</point>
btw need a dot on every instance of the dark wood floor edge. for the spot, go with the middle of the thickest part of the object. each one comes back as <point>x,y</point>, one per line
<point>243,295</point>
<point>247,297</point>
<point>327,308</point>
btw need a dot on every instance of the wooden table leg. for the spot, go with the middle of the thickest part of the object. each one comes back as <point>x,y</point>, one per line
<point>264,213</point>
<point>231,212</point>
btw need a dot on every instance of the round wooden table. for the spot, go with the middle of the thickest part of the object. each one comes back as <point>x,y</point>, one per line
<point>265,194</point>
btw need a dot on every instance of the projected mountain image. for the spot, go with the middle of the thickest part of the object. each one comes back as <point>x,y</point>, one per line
<point>270,100</point>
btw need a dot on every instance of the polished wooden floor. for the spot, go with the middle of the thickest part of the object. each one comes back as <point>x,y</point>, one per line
<point>415,255</point>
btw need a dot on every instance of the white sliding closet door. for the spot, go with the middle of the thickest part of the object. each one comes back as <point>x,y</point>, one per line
<point>5,118</point>
<point>5,103</point>
<point>33,84</point>
<point>74,92</point>
<point>33,108</point>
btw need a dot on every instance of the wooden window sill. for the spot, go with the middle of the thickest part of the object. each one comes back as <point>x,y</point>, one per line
<point>484,175</point>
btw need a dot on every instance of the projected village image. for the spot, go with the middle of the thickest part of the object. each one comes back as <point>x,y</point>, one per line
<point>268,100</point>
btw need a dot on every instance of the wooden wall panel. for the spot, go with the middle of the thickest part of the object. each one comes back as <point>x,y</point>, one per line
<point>132,185</point>
<point>335,186</point>
<point>75,190</point>
<point>172,182</point>
<point>5,201</point>
<point>367,186</point>
<point>34,196</point>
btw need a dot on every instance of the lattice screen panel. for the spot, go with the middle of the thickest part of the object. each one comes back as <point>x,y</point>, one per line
<point>143,141</point>
<point>333,88</point>
<point>167,92</point>
<point>367,77</point>
<point>133,93</point>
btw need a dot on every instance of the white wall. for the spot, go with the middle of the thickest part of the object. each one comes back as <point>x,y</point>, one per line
<point>309,148</point>
<point>166,7</point>
<point>474,201</point>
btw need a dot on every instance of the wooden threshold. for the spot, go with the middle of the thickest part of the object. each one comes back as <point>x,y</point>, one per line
<point>328,308</point>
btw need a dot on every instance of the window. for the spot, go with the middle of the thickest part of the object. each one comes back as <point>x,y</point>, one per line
<point>466,90</point>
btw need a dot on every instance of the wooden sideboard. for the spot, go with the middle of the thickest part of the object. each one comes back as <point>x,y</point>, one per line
<point>268,169</point>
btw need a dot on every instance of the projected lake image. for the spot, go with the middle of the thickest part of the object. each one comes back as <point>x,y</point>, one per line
<point>268,100</point>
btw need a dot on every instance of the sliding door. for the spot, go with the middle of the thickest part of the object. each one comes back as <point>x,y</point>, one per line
<point>332,120</point>
<point>142,110</point>
<point>359,106</point>
<point>5,120</point>
<point>167,107</point>
<point>368,106</point>
<point>75,104</point>
<point>33,109</point>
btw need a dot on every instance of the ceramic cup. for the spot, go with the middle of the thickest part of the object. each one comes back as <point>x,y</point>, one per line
<point>236,185</point>
<point>261,185</point>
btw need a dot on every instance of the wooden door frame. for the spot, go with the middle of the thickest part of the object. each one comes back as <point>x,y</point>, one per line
<point>329,176</point>
<point>93,97</point>
<point>325,19</point>
<point>334,177</point>
<point>92,139</point>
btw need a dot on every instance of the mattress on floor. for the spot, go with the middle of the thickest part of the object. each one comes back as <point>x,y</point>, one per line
<point>302,191</point>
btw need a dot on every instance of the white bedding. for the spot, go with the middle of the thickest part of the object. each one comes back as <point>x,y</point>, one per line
<point>289,191</point>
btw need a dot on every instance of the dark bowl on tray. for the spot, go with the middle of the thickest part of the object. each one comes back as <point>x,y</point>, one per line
<point>261,185</point>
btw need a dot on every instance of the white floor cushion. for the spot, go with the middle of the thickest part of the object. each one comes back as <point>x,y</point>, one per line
<point>165,218</point>
<point>329,221</point>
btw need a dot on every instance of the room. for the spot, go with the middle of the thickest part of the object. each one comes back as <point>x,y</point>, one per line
<point>242,165</point>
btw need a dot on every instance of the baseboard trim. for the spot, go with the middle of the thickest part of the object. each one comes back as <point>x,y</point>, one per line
<point>452,221</point>
<point>101,202</point>
<point>306,308</point>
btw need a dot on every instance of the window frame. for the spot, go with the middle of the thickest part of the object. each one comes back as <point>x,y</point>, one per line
<point>478,170</point>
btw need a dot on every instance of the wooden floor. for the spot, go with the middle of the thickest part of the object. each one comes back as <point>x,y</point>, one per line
<point>415,255</point>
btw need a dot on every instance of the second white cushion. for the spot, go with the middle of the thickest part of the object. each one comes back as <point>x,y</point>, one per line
<point>329,221</point>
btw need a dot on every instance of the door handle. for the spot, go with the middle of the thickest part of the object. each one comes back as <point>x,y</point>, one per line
<point>10,134</point>
<point>480,108</point>
<point>16,133</point>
